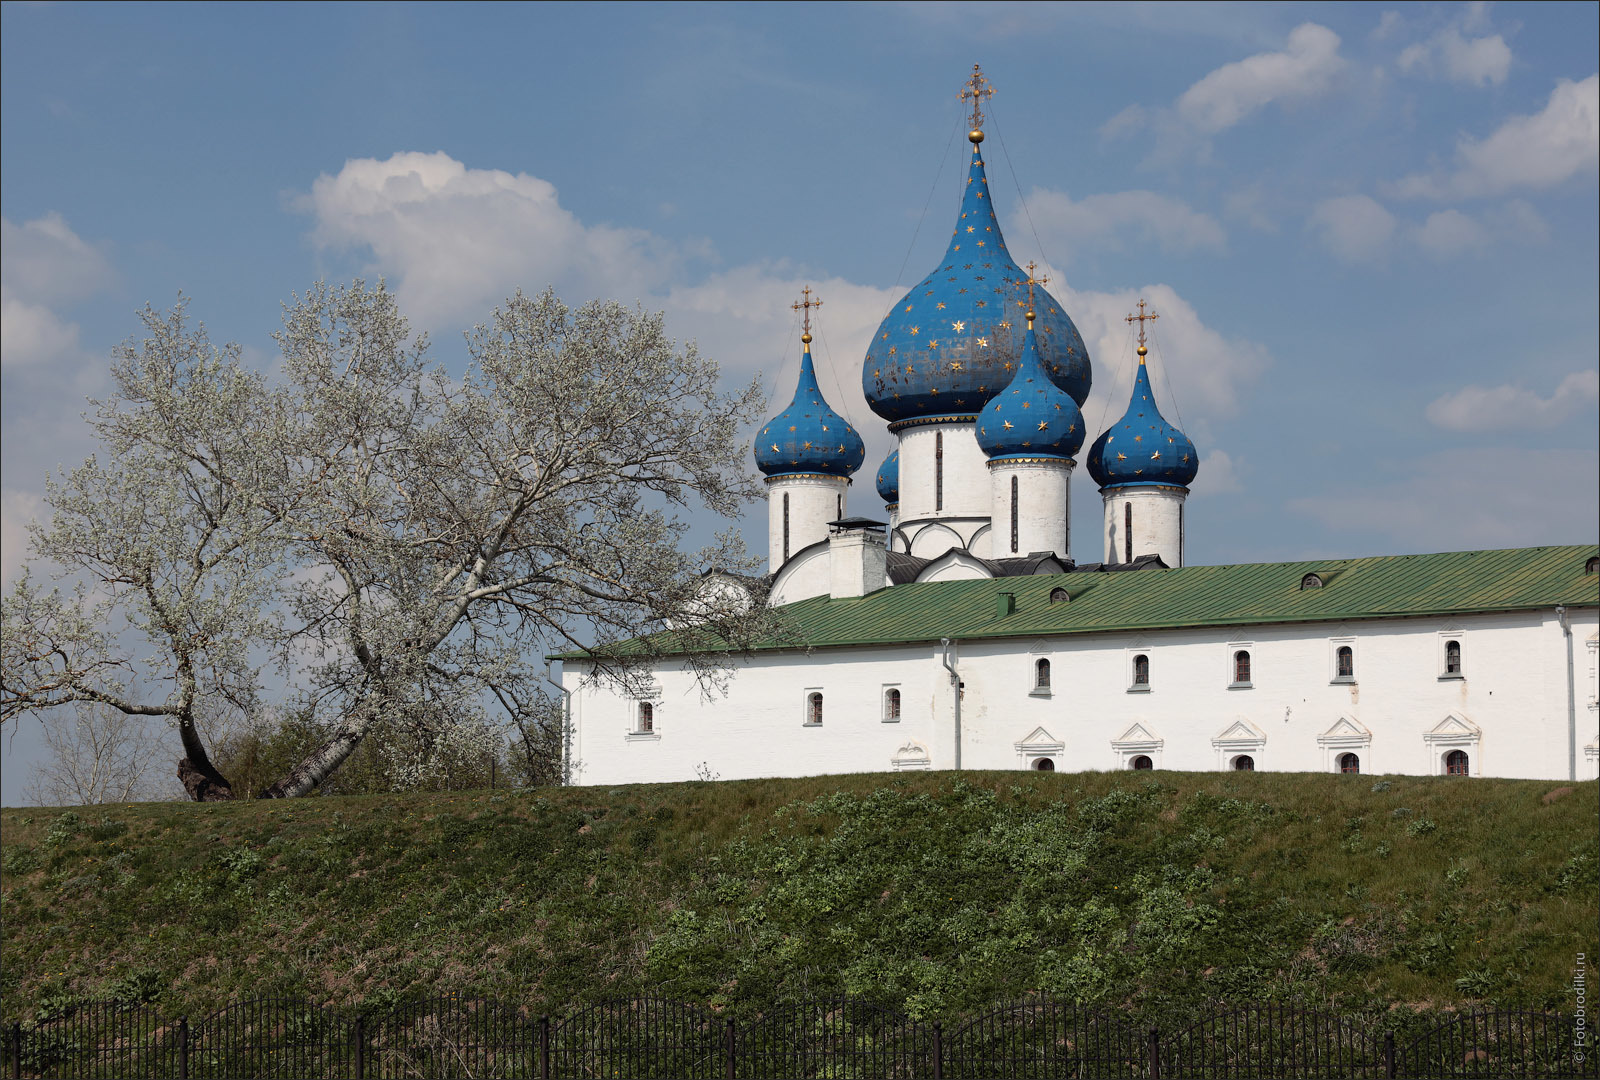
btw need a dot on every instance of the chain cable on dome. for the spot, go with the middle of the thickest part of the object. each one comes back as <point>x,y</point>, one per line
<point>894,290</point>
<point>1115,394</point>
<point>995,123</point>
<point>1172,395</point>
<point>783,365</point>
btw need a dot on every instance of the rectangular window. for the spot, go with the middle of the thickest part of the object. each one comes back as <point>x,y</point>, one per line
<point>1127,532</point>
<point>785,526</point>
<point>938,470</point>
<point>1013,515</point>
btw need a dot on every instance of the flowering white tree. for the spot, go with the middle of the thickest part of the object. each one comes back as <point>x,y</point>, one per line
<point>404,546</point>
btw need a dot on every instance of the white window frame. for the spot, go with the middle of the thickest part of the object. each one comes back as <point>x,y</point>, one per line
<point>1444,639</point>
<point>1038,744</point>
<point>1128,746</point>
<point>1446,736</point>
<point>805,706</point>
<point>883,703</point>
<point>1246,739</point>
<point>1235,647</point>
<point>1355,739</point>
<point>1334,645</point>
<point>1035,689</point>
<point>1130,656</point>
<point>654,734</point>
<point>911,757</point>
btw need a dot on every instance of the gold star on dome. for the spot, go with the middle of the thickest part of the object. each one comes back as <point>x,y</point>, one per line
<point>955,365</point>
<point>892,350</point>
<point>1138,438</point>
<point>1008,425</point>
<point>1025,404</point>
<point>774,448</point>
<point>876,373</point>
<point>791,427</point>
<point>1122,457</point>
<point>1155,455</point>
<point>1004,325</point>
<point>940,305</point>
<point>1043,424</point>
<point>980,243</point>
<point>958,326</point>
<point>971,228</point>
<point>808,444</point>
<point>916,329</point>
<point>908,307</point>
<point>1070,427</point>
<point>983,343</point>
<point>841,448</point>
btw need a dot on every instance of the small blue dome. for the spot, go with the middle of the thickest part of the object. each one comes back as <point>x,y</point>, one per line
<point>808,436</point>
<point>889,478</point>
<point>1142,449</point>
<point>1032,416</point>
<point>953,341</point>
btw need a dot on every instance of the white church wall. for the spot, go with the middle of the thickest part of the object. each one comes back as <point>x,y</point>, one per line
<point>1042,507</point>
<point>812,502</point>
<point>1157,515</point>
<point>964,502</point>
<point>1507,711</point>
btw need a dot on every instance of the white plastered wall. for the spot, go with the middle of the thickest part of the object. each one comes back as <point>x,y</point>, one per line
<point>1042,495</point>
<point>964,508</point>
<point>1157,523</point>
<point>814,500</point>
<point>1511,702</point>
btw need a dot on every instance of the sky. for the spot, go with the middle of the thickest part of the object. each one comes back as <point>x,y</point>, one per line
<point>1370,232</point>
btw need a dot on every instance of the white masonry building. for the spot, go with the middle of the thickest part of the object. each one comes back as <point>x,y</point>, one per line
<point>958,633</point>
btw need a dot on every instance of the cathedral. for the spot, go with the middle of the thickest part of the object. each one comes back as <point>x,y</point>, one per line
<point>959,632</point>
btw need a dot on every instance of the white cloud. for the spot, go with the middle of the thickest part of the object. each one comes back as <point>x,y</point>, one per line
<point>1482,61</point>
<point>1514,408</point>
<point>458,240</point>
<point>1450,232</point>
<point>33,334</point>
<point>44,261</point>
<point>1218,475</point>
<point>1536,151</point>
<point>1103,219</point>
<point>1195,367</point>
<point>1356,228</point>
<point>1461,499</point>
<point>1305,68</point>
<point>1388,23</point>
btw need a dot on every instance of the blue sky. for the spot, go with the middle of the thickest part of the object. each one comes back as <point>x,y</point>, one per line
<point>1371,233</point>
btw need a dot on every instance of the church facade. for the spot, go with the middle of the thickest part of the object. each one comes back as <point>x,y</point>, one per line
<point>958,632</point>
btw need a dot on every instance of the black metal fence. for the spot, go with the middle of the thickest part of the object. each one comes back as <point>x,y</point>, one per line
<point>449,1037</point>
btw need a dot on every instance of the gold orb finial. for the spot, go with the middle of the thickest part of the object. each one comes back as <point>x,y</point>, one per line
<point>805,339</point>
<point>975,136</point>
<point>1143,352</point>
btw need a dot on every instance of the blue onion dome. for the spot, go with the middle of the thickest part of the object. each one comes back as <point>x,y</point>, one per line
<point>808,436</point>
<point>889,478</point>
<point>1031,416</point>
<point>1142,449</point>
<point>953,341</point>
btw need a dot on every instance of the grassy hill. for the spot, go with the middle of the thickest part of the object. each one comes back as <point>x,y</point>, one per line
<point>1149,891</point>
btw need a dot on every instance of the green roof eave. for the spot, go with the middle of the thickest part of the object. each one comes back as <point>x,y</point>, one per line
<point>1254,594</point>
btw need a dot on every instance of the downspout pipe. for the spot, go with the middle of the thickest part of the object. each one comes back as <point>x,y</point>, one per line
<point>1572,697</point>
<point>955,682</point>
<point>566,726</point>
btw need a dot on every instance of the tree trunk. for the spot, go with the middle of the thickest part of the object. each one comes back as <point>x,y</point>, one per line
<point>200,778</point>
<point>317,766</point>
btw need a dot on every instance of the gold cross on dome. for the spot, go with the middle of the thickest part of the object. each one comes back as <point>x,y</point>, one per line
<point>1032,281</point>
<point>805,305</point>
<point>976,89</point>
<point>1141,319</point>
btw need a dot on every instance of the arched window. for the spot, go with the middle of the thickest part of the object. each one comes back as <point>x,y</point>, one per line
<point>1591,565</point>
<point>1059,596</point>
<point>1141,670</point>
<point>647,717</point>
<point>1044,764</point>
<point>1244,763</point>
<point>1346,657</point>
<point>891,704</point>
<point>814,708</point>
<point>1311,581</point>
<point>1241,668</point>
<point>938,470</point>
<point>1041,675</point>
<point>1141,762</point>
<point>1455,763</point>
<point>838,503</point>
<point>1349,763</point>
<point>1452,658</point>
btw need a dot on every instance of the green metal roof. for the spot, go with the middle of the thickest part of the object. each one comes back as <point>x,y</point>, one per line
<point>1447,583</point>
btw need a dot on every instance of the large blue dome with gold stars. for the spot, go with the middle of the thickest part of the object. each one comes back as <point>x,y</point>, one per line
<point>1031,416</point>
<point>889,478</point>
<point>808,436</point>
<point>1142,449</point>
<point>954,340</point>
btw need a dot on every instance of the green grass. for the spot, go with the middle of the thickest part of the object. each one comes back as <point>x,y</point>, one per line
<point>1148,891</point>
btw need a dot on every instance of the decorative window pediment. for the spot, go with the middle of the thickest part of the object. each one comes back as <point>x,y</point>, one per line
<point>911,755</point>
<point>1239,735</point>
<point>1345,734</point>
<point>1453,730</point>
<point>1137,737</point>
<point>1039,741</point>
